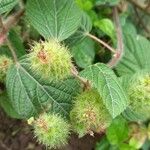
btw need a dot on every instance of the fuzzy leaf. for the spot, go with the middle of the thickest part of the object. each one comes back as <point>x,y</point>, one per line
<point>136,56</point>
<point>131,115</point>
<point>84,53</point>
<point>7,5</point>
<point>4,50</point>
<point>29,94</point>
<point>56,19</point>
<point>17,43</point>
<point>108,86</point>
<point>80,34</point>
<point>6,105</point>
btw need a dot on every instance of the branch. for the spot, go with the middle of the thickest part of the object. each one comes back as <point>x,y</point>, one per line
<point>2,34</point>
<point>7,40</point>
<point>118,55</point>
<point>11,21</point>
<point>144,8</point>
<point>101,42</point>
<point>12,50</point>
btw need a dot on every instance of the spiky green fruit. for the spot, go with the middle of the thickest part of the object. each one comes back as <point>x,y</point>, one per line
<point>139,95</point>
<point>89,113</point>
<point>137,135</point>
<point>51,60</point>
<point>5,63</point>
<point>51,130</point>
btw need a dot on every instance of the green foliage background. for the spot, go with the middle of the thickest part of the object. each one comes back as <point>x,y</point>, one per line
<point>71,22</point>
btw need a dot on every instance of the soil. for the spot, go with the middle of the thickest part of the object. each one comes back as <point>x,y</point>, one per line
<point>17,135</point>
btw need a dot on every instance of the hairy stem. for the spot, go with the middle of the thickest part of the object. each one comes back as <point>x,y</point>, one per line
<point>1,23</point>
<point>8,42</point>
<point>2,32</point>
<point>6,25</point>
<point>118,55</point>
<point>12,50</point>
<point>82,80</point>
<point>12,20</point>
<point>101,42</point>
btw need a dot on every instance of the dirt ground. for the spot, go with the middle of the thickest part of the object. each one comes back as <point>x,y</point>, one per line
<point>17,135</point>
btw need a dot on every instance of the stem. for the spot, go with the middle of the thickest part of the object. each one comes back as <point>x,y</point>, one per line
<point>12,50</point>
<point>8,42</point>
<point>101,42</point>
<point>12,20</point>
<point>2,34</point>
<point>6,25</point>
<point>120,48</point>
<point>1,23</point>
<point>82,80</point>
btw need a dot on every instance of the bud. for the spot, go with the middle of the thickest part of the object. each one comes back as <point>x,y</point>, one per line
<point>89,113</point>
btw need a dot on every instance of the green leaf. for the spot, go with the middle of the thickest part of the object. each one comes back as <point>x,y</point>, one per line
<point>136,56</point>
<point>29,94</point>
<point>108,86</point>
<point>106,26</point>
<point>129,28</point>
<point>117,132</point>
<point>125,80</point>
<point>80,34</point>
<point>56,19</point>
<point>16,43</point>
<point>131,115</point>
<point>7,5</point>
<point>6,105</point>
<point>4,50</point>
<point>84,53</point>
